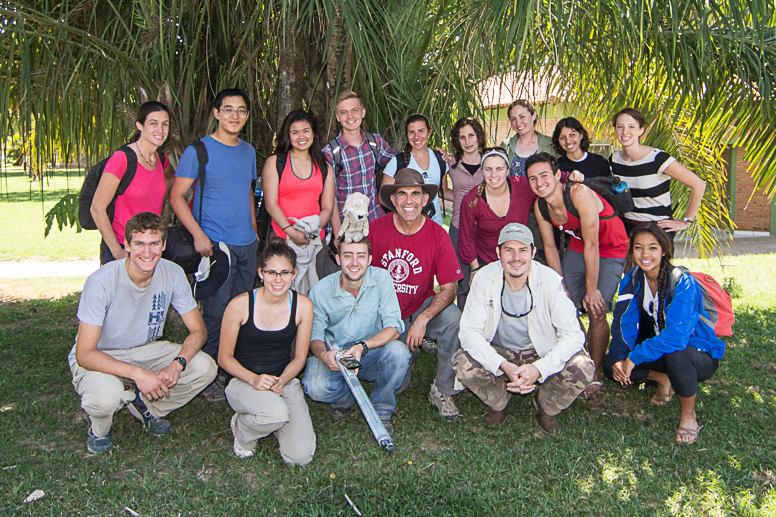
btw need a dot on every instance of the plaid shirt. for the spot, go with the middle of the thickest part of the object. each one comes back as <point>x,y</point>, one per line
<point>358,171</point>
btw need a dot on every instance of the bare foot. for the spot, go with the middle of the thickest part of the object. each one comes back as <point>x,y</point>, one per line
<point>687,432</point>
<point>662,396</point>
<point>591,390</point>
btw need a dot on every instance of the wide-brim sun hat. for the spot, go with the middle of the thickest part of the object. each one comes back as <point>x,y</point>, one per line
<point>406,178</point>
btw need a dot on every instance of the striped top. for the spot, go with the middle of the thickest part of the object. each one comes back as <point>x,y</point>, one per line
<point>649,185</point>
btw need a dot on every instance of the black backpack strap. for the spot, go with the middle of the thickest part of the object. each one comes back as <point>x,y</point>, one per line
<point>336,153</point>
<point>129,174</point>
<point>544,210</point>
<point>280,164</point>
<point>202,159</point>
<point>440,192</point>
<point>400,163</point>
<point>372,145</point>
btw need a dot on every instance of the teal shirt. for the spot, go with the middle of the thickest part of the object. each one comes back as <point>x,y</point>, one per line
<point>344,319</point>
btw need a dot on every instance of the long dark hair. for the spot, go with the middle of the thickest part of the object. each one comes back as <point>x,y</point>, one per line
<point>284,138</point>
<point>665,264</point>
<point>576,125</point>
<point>455,133</point>
<point>416,117</point>
<point>143,111</point>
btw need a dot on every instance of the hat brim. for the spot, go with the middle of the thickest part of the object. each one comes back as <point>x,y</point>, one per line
<point>386,191</point>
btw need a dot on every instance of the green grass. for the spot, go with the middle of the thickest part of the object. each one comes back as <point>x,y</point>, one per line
<point>615,456</point>
<point>22,220</point>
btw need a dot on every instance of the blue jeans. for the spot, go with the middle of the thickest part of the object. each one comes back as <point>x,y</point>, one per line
<point>386,366</point>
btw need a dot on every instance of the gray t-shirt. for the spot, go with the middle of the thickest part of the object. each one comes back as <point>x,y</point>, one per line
<point>512,332</point>
<point>129,315</point>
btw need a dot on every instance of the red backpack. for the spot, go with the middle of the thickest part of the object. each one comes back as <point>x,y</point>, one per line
<point>716,301</point>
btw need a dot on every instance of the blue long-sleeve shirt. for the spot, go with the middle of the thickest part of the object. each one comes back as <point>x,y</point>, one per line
<point>633,332</point>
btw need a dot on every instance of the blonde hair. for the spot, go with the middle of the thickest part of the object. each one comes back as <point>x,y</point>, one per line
<point>348,94</point>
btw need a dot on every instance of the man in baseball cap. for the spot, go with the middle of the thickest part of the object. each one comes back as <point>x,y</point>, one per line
<point>518,329</point>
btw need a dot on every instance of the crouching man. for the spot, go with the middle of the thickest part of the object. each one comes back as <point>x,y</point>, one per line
<point>519,328</point>
<point>122,312</point>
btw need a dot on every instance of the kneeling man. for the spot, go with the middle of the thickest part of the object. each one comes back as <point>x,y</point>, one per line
<point>519,328</point>
<point>122,312</point>
<point>357,309</point>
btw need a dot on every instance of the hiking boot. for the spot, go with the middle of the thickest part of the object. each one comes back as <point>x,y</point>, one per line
<point>444,403</point>
<point>241,450</point>
<point>150,423</point>
<point>215,392</point>
<point>493,417</point>
<point>388,426</point>
<point>339,413</point>
<point>548,423</point>
<point>95,444</point>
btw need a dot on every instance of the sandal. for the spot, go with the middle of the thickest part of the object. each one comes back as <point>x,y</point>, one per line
<point>686,432</point>
<point>587,393</point>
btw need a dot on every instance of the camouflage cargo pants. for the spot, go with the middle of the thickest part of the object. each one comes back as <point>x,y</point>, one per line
<point>556,393</point>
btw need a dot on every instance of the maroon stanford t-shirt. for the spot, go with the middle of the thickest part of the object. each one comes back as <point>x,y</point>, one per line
<point>413,260</point>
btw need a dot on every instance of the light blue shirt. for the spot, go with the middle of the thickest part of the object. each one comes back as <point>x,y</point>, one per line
<point>344,319</point>
<point>432,176</point>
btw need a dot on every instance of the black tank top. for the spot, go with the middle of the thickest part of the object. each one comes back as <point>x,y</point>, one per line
<point>265,351</point>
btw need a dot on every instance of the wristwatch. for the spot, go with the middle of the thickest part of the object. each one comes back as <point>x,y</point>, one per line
<point>687,220</point>
<point>366,348</point>
<point>181,361</point>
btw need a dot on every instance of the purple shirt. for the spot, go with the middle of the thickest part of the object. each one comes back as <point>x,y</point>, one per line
<point>358,171</point>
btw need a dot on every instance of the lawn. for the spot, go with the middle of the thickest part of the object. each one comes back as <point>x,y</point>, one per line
<point>615,456</point>
<point>22,219</point>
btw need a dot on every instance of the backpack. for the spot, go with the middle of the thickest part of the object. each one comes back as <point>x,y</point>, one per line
<point>716,301</point>
<point>92,180</point>
<point>336,152</point>
<point>429,209</point>
<point>263,219</point>
<point>610,188</point>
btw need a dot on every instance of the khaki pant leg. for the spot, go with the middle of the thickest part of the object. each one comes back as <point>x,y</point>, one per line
<point>199,372</point>
<point>560,390</point>
<point>101,395</point>
<point>261,413</point>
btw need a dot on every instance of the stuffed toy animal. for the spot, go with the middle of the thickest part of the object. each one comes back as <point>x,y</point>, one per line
<point>355,224</point>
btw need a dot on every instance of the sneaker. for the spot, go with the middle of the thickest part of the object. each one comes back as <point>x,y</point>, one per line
<point>548,423</point>
<point>215,392</point>
<point>388,426</point>
<point>493,417</point>
<point>150,423</point>
<point>95,444</point>
<point>444,403</point>
<point>339,413</point>
<point>429,345</point>
<point>241,450</point>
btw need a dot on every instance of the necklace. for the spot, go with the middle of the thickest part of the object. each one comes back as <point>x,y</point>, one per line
<point>146,159</point>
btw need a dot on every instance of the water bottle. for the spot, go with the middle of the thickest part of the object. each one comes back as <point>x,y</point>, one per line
<point>619,187</point>
<point>258,194</point>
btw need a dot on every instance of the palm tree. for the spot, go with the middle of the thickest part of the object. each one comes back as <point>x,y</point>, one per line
<point>702,70</point>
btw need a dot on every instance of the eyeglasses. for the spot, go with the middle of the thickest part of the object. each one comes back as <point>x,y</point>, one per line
<point>270,274</point>
<point>231,111</point>
<point>502,302</point>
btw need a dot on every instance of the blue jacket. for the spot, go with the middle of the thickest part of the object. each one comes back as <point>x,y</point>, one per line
<point>633,331</point>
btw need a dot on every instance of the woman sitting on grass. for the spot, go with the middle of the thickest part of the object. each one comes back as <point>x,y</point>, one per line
<point>260,334</point>
<point>657,333</point>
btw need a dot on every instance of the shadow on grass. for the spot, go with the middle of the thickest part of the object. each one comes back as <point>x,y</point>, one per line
<point>615,456</point>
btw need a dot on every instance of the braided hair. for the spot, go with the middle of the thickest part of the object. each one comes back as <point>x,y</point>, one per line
<point>416,117</point>
<point>664,274</point>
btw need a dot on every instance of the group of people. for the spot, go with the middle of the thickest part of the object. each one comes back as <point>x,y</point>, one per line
<point>514,329</point>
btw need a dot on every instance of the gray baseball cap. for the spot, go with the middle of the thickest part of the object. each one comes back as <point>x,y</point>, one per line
<point>515,232</point>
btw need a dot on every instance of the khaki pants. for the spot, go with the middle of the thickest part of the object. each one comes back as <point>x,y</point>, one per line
<point>260,413</point>
<point>556,393</point>
<point>103,394</point>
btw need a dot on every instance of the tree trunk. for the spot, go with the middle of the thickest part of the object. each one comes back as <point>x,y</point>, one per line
<point>291,72</point>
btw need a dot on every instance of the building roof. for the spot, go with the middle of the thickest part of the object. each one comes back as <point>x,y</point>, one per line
<point>501,90</point>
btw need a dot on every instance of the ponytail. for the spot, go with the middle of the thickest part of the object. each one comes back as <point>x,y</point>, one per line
<point>662,287</point>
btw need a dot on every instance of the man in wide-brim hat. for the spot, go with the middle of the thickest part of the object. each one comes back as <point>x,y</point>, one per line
<point>415,251</point>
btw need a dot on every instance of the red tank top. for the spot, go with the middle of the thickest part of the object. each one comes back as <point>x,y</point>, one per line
<point>297,197</point>
<point>612,239</point>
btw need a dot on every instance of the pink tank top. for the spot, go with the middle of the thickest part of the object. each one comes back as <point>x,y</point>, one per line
<point>297,197</point>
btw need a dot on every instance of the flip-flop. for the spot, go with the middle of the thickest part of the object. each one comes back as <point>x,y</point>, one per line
<point>685,431</point>
<point>587,395</point>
